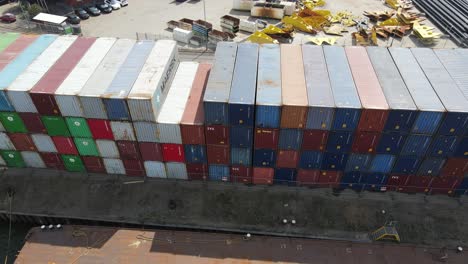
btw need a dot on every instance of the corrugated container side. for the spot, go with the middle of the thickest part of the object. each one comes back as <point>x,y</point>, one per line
<point>263,175</point>
<point>365,142</point>
<point>43,143</point>
<point>114,166</point>
<point>462,150</point>
<point>352,180</point>
<point>264,158</point>
<point>241,136</point>
<point>391,143</point>
<point>7,38</point>
<point>33,122</point>
<point>93,107</point>
<point>86,147</point>
<point>416,184</point>
<point>146,131</point>
<point>151,87</point>
<point>454,123</point>
<point>122,130</point>
<point>374,181</point>
<point>427,122</point>
<point>339,142</point>
<point>307,177</point>
<point>293,88</point>
<point>217,135</point>
<point>400,121</point>
<point>266,138</point>
<point>218,154</point>
<point>443,146</point>
<point>173,152</point>
<point>13,158</point>
<point>219,84</point>
<point>431,167</point>
<point>195,154</point>
<point>454,61</point>
<point>52,161</point>
<point>319,93</point>
<point>12,122</point>
<point>445,185</point>
<point>32,159</point>
<point>462,188</point>
<point>134,168</point>
<point>73,163</point>
<point>416,145</point>
<point>455,167</point>
<point>285,176</point>
<point>241,174</point>
<point>176,170</point>
<point>311,160</point>
<point>5,142</point>
<point>193,134</point>
<point>358,162</point>
<point>2,128</point>
<point>406,165</point>
<point>314,140</point>
<point>101,129</point>
<point>219,173</point>
<point>241,156</point>
<point>128,150</point>
<point>396,182</point>
<point>12,51</point>
<point>150,151</point>
<point>94,164</point>
<point>65,145</point>
<point>330,179</point>
<point>267,116</point>
<point>290,139</point>
<point>55,126</point>
<point>382,163</point>
<point>78,127</point>
<point>22,142</point>
<point>155,169</point>
<point>169,133</point>
<point>197,171</point>
<point>334,161</point>
<point>346,119</point>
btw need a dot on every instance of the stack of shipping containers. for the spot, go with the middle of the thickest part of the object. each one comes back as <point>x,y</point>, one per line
<point>216,108</point>
<point>267,114</point>
<point>242,112</point>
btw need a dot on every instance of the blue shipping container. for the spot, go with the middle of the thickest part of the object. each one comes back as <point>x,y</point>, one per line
<point>19,64</point>
<point>358,162</point>
<point>462,188</point>
<point>290,139</point>
<point>346,119</point>
<point>264,158</point>
<point>416,145</point>
<point>310,160</point>
<point>374,181</point>
<point>334,161</point>
<point>218,87</point>
<point>241,136</point>
<point>427,122</point>
<point>400,121</point>
<point>122,83</point>
<point>431,167</point>
<point>382,163</point>
<point>339,141</point>
<point>407,165</point>
<point>267,116</point>
<point>351,180</point>
<point>454,123</point>
<point>218,173</point>
<point>462,150</point>
<point>391,143</point>
<point>443,146</point>
<point>241,156</point>
<point>195,154</point>
<point>285,176</point>
<point>244,84</point>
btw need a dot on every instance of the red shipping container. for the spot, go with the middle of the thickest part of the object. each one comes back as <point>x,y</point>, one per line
<point>101,129</point>
<point>42,93</point>
<point>217,135</point>
<point>241,174</point>
<point>263,175</point>
<point>308,177</point>
<point>287,159</point>
<point>365,142</point>
<point>444,185</point>
<point>128,150</point>
<point>455,167</point>
<point>217,154</point>
<point>33,122</point>
<point>416,184</point>
<point>22,142</point>
<point>372,120</point>
<point>314,140</point>
<point>94,164</point>
<point>329,179</point>
<point>193,134</point>
<point>52,160</point>
<point>134,168</point>
<point>150,151</point>
<point>197,171</point>
<point>173,152</point>
<point>396,182</point>
<point>266,138</point>
<point>65,145</point>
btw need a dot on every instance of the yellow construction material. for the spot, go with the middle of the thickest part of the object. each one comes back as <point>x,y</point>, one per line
<point>321,41</point>
<point>425,34</point>
<point>386,232</point>
<point>311,4</point>
<point>270,29</point>
<point>261,38</point>
<point>391,22</point>
<point>298,23</point>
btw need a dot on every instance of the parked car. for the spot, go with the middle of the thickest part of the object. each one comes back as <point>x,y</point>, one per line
<point>81,13</point>
<point>8,18</point>
<point>113,3</point>
<point>93,11</point>
<point>123,2</point>
<point>105,8</point>
<point>73,19</point>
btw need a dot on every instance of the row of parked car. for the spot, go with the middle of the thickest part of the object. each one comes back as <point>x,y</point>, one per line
<point>106,7</point>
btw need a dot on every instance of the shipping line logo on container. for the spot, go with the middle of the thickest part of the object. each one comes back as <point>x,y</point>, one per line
<point>168,74</point>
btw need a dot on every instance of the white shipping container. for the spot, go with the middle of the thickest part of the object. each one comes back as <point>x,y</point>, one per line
<point>90,99</point>
<point>44,143</point>
<point>122,130</point>
<point>151,87</point>
<point>66,94</point>
<point>5,142</point>
<point>18,90</point>
<point>176,170</point>
<point>245,5</point>
<point>174,106</point>
<point>2,161</point>
<point>289,7</point>
<point>107,148</point>
<point>32,159</point>
<point>247,26</point>
<point>155,169</point>
<point>146,131</point>
<point>114,166</point>
<point>2,129</point>
<point>182,35</point>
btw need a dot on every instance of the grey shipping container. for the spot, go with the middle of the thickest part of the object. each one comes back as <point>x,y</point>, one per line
<point>176,170</point>
<point>218,87</point>
<point>5,142</point>
<point>90,94</point>
<point>32,159</point>
<point>43,143</point>
<point>114,166</point>
<point>319,92</point>
<point>456,119</point>
<point>241,156</point>
<point>455,61</point>
<point>107,148</point>
<point>123,130</point>
<point>344,91</point>
<point>431,167</point>
<point>244,84</point>
<point>268,100</point>
<point>425,98</point>
<point>155,169</point>
<point>146,131</point>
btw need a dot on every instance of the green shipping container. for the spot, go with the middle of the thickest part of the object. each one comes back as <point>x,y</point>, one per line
<point>12,122</point>
<point>73,163</point>
<point>13,158</point>
<point>55,126</point>
<point>78,127</point>
<point>6,39</point>
<point>86,147</point>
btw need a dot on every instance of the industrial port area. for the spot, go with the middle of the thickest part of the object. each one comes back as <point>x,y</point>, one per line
<point>237,131</point>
